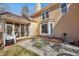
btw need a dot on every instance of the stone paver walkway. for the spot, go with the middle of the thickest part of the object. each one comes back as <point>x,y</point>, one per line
<point>28,45</point>
<point>51,51</point>
<point>45,51</point>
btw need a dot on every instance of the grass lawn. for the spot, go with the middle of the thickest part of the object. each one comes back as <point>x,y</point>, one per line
<point>17,51</point>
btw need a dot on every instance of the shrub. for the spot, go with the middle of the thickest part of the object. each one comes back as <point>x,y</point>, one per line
<point>40,43</point>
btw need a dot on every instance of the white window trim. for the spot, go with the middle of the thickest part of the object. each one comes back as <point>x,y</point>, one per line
<point>61,10</point>
<point>45,16</point>
<point>41,29</point>
<point>48,26</point>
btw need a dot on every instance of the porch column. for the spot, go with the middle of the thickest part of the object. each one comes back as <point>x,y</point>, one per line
<point>25,30</point>
<point>5,30</point>
<point>13,28</point>
<point>14,32</point>
<point>20,30</point>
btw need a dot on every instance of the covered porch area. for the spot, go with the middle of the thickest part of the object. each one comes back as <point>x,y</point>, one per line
<point>20,30</point>
<point>17,24</point>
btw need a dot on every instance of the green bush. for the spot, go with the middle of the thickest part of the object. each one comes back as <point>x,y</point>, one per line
<point>40,43</point>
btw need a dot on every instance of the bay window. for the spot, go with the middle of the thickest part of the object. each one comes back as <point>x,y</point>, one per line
<point>47,28</point>
<point>44,28</point>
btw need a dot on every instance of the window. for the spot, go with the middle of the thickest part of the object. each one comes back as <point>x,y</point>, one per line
<point>17,30</point>
<point>9,29</point>
<point>44,28</point>
<point>51,28</point>
<point>27,30</point>
<point>22,30</point>
<point>45,15</point>
<point>64,8</point>
<point>47,28</point>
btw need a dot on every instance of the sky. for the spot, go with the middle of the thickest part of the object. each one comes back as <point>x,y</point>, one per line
<point>16,7</point>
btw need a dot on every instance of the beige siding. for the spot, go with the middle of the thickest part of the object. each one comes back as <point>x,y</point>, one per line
<point>33,27</point>
<point>37,19</point>
<point>64,23</point>
<point>69,24</point>
<point>36,29</point>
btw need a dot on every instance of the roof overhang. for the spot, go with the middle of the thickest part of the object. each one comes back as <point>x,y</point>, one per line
<point>42,10</point>
<point>15,19</point>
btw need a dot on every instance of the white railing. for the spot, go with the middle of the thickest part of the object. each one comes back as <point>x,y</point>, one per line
<point>1,25</point>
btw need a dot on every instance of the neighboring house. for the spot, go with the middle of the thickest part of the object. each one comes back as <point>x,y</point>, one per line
<point>57,19</point>
<point>18,24</point>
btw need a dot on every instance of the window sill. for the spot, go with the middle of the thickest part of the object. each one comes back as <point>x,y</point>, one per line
<point>46,19</point>
<point>47,34</point>
<point>23,37</point>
